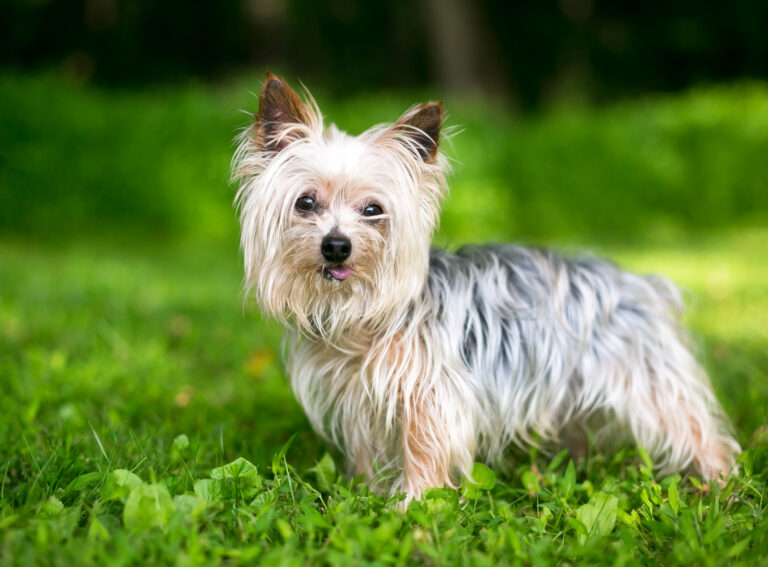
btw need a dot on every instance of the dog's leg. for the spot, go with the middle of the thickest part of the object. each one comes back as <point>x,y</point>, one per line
<point>426,456</point>
<point>641,364</point>
<point>676,418</point>
<point>360,453</point>
<point>362,460</point>
<point>438,442</point>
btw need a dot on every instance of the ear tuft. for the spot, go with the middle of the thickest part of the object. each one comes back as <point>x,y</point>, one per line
<point>422,126</point>
<point>279,108</point>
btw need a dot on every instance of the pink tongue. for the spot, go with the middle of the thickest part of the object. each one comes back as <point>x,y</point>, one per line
<point>340,272</point>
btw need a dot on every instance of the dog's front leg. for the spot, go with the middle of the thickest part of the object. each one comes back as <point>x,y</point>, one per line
<point>438,441</point>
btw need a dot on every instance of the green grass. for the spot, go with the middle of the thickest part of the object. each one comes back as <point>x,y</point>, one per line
<point>131,373</point>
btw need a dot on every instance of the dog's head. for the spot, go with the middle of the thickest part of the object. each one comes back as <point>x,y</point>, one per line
<point>335,228</point>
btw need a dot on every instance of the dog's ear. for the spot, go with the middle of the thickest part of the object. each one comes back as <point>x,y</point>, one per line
<point>420,127</point>
<point>280,108</point>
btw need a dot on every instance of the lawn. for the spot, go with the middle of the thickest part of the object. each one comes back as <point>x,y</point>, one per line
<point>144,413</point>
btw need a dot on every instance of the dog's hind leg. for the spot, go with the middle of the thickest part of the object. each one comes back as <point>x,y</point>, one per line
<point>672,412</point>
<point>649,379</point>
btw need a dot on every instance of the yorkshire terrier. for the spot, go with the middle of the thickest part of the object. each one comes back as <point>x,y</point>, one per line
<point>416,362</point>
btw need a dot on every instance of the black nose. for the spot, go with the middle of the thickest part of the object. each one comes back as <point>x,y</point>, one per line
<point>336,248</point>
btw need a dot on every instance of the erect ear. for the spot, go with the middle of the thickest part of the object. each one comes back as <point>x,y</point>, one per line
<point>279,108</point>
<point>421,128</point>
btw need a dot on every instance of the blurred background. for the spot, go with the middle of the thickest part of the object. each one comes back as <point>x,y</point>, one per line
<point>531,54</point>
<point>634,129</point>
<point>119,114</point>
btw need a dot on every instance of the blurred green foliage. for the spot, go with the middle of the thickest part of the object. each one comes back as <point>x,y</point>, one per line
<point>78,161</point>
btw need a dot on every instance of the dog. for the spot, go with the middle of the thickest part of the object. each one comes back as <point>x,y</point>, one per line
<point>414,361</point>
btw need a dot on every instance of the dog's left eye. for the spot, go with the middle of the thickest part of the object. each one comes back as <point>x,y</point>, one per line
<point>372,210</point>
<point>305,203</point>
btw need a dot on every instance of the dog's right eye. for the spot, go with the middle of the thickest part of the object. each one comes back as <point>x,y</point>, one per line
<point>305,204</point>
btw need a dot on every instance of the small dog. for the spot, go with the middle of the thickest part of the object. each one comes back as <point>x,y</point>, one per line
<point>415,362</point>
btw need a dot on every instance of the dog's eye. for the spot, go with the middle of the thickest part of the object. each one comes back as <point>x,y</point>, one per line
<point>306,203</point>
<point>372,210</point>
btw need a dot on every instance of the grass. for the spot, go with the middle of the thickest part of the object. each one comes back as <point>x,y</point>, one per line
<point>144,414</point>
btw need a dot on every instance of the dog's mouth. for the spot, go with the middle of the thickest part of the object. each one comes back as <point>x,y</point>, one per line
<point>336,273</point>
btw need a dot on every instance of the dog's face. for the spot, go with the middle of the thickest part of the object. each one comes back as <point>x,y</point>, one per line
<point>336,229</point>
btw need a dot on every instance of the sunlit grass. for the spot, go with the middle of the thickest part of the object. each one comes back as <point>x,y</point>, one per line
<point>726,275</point>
